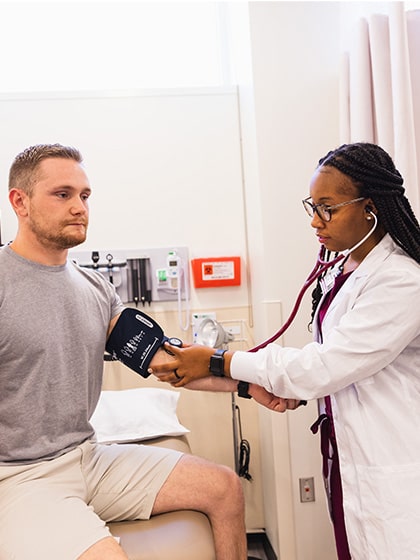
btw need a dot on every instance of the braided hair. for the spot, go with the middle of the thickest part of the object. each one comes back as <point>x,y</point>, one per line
<point>373,172</point>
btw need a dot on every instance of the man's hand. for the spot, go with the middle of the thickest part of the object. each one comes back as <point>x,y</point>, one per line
<point>163,357</point>
<point>270,401</point>
<point>229,385</point>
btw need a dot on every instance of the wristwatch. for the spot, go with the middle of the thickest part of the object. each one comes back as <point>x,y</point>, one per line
<point>217,363</point>
<point>243,387</point>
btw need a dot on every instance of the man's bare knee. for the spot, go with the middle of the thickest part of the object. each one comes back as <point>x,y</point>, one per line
<point>215,490</point>
<point>229,490</point>
<point>199,484</point>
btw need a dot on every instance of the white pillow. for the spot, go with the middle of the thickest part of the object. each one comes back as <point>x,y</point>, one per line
<point>136,414</point>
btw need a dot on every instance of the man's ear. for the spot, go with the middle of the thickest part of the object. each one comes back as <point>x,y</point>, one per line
<point>19,201</point>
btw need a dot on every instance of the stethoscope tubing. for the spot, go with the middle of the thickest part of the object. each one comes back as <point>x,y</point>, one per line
<point>320,267</point>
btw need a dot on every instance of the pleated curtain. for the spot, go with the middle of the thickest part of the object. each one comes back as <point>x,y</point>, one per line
<point>380,90</point>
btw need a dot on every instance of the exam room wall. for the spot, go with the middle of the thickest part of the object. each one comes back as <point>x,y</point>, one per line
<point>291,119</point>
<point>295,122</point>
<point>295,53</point>
<point>295,62</point>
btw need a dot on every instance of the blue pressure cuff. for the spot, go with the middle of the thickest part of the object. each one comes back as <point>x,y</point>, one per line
<point>134,340</point>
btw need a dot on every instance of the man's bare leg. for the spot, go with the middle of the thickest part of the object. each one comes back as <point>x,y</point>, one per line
<point>215,490</point>
<point>199,485</point>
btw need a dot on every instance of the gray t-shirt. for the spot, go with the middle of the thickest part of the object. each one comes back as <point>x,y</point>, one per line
<point>53,325</point>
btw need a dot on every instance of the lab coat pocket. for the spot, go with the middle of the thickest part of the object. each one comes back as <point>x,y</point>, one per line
<point>391,511</point>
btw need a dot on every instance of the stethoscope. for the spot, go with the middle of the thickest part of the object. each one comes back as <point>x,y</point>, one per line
<point>320,267</point>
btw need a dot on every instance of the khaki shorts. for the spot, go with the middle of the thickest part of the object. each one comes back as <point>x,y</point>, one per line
<point>56,510</point>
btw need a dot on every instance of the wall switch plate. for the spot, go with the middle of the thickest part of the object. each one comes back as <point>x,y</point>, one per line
<point>233,329</point>
<point>307,489</point>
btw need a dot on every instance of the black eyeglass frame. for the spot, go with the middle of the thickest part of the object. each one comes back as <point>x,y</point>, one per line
<point>311,208</point>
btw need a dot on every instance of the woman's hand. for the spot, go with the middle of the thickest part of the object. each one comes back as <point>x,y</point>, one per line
<point>188,363</point>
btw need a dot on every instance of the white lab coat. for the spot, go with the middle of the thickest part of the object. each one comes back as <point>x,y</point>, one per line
<point>369,362</point>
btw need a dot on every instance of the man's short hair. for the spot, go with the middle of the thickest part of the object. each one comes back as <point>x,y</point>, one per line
<point>22,173</point>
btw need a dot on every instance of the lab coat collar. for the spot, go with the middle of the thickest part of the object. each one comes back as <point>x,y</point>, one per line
<point>378,254</point>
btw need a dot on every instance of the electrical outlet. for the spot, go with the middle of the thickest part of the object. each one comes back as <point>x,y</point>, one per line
<point>307,489</point>
<point>235,330</point>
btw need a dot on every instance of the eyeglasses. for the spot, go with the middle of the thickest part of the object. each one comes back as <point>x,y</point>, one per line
<point>323,210</point>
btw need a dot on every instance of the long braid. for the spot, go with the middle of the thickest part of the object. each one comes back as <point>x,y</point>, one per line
<point>317,291</point>
<point>316,298</point>
<point>374,173</point>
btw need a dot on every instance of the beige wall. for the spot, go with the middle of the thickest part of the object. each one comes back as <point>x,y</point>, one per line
<point>208,416</point>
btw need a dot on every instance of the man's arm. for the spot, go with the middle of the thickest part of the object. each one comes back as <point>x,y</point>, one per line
<point>227,385</point>
<point>136,339</point>
<point>112,324</point>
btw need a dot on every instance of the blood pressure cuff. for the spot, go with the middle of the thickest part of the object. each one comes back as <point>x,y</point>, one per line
<point>134,340</point>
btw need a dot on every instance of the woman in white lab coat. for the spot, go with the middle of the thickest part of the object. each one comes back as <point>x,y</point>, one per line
<point>364,365</point>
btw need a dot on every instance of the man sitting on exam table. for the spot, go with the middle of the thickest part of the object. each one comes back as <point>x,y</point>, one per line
<point>55,318</point>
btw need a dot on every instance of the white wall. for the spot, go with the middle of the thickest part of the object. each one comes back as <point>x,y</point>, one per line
<point>165,169</point>
<point>287,58</point>
<point>295,49</point>
<point>148,191</point>
<point>295,55</point>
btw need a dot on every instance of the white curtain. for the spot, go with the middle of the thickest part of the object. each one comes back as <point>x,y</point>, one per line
<point>380,90</point>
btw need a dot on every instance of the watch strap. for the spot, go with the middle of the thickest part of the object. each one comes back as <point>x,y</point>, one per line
<point>217,363</point>
<point>243,387</point>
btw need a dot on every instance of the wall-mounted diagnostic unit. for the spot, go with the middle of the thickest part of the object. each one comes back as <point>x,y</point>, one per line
<point>144,275</point>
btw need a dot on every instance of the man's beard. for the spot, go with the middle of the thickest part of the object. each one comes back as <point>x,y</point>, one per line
<point>56,240</point>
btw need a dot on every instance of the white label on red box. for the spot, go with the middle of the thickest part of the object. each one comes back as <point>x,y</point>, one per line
<point>223,270</point>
